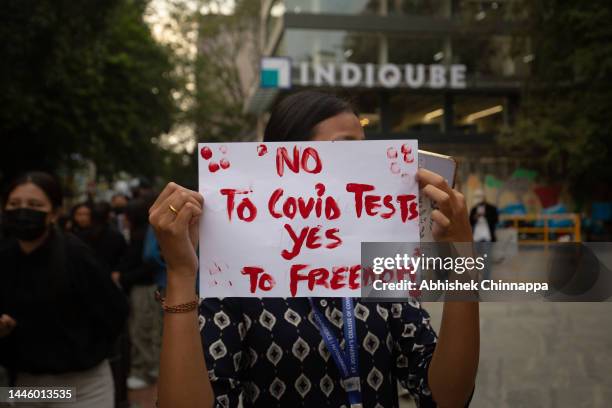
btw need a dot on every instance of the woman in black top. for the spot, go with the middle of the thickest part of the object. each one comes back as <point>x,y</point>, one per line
<point>60,312</point>
<point>270,352</point>
<point>108,244</point>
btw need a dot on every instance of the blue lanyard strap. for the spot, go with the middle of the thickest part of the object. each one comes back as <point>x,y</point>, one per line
<point>347,362</point>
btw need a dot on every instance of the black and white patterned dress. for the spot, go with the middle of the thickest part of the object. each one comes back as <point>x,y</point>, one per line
<point>269,352</point>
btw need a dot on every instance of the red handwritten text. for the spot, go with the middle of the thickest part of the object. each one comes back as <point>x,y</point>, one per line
<point>373,203</point>
<point>310,162</point>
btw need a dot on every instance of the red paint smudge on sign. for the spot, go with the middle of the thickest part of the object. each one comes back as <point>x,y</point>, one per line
<point>395,168</point>
<point>206,153</point>
<point>392,153</point>
<point>213,167</point>
<point>261,150</point>
<point>224,163</point>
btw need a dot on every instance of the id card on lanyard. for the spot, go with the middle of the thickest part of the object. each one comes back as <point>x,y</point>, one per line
<point>347,361</point>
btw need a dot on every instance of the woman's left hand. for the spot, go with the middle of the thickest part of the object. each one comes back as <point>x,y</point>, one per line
<point>451,222</point>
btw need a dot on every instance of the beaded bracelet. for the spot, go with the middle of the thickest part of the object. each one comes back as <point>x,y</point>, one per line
<point>181,308</point>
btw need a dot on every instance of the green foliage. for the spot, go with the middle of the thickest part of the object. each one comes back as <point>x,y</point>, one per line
<point>226,44</point>
<point>565,117</point>
<point>82,80</point>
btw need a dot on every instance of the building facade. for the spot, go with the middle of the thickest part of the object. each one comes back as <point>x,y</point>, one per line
<point>446,72</point>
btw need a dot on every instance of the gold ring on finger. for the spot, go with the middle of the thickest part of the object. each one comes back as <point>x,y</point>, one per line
<point>174,210</point>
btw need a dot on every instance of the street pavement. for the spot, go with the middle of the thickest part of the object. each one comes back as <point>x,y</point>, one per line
<point>542,355</point>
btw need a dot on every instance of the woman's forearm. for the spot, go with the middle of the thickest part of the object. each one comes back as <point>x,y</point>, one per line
<point>452,370</point>
<point>183,377</point>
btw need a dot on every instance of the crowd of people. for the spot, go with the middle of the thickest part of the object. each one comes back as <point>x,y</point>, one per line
<point>77,292</point>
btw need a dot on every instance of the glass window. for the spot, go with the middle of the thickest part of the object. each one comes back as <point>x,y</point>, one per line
<point>414,50</point>
<point>496,55</point>
<point>367,104</point>
<point>329,46</point>
<point>411,111</point>
<point>479,113</point>
<point>491,10</point>
<point>333,6</point>
<point>419,7</point>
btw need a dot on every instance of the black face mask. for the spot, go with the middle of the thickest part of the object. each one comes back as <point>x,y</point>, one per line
<point>119,210</point>
<point>24,224</point>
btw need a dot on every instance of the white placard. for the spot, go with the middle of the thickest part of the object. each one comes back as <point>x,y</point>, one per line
<point>288,219</point>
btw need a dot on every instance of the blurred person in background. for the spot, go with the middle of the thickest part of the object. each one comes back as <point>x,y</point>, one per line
<point>484,218</point>
<point>109,247</point>
<point>142,188</point>
<point>107,242</point>
<point>152,254</point>
<point>64,223</point>
<point>60,312</point>
<point>137,277</point>
<point>118,203</point>
<point>80,218</point>
<point>4,380</point>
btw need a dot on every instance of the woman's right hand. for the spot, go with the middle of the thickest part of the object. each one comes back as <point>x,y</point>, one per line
<point>177,234</point>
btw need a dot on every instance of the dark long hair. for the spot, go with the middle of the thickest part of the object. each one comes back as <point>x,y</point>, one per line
<point>296,116</point>
<point>76,207</point>
<point>100,213</point>
<point>76,229</point>
<point>46,182</point>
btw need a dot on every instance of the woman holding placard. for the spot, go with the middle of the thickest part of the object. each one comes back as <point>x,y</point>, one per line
<point>290,352</point>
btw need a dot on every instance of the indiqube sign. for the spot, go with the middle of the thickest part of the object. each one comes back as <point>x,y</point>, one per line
<point>276,72</point>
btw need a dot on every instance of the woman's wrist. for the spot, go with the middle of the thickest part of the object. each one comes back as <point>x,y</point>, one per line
<point>181,287</point>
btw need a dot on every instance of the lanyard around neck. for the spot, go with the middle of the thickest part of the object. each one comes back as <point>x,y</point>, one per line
<point>347,361</point>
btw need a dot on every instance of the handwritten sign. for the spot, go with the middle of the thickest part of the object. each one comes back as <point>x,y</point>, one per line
<point>288,219</point>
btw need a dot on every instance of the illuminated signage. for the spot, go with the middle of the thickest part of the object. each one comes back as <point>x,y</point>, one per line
<point>277,73</point>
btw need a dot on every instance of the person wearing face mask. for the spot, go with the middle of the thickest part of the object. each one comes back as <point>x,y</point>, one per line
<point>60,312</point>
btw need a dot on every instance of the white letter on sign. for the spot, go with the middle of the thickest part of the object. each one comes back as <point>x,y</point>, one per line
<point>457,77</point>
<point>436,76</point>
<point>420,75</point>
<point>389,75</point>
<point>350,74</point>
